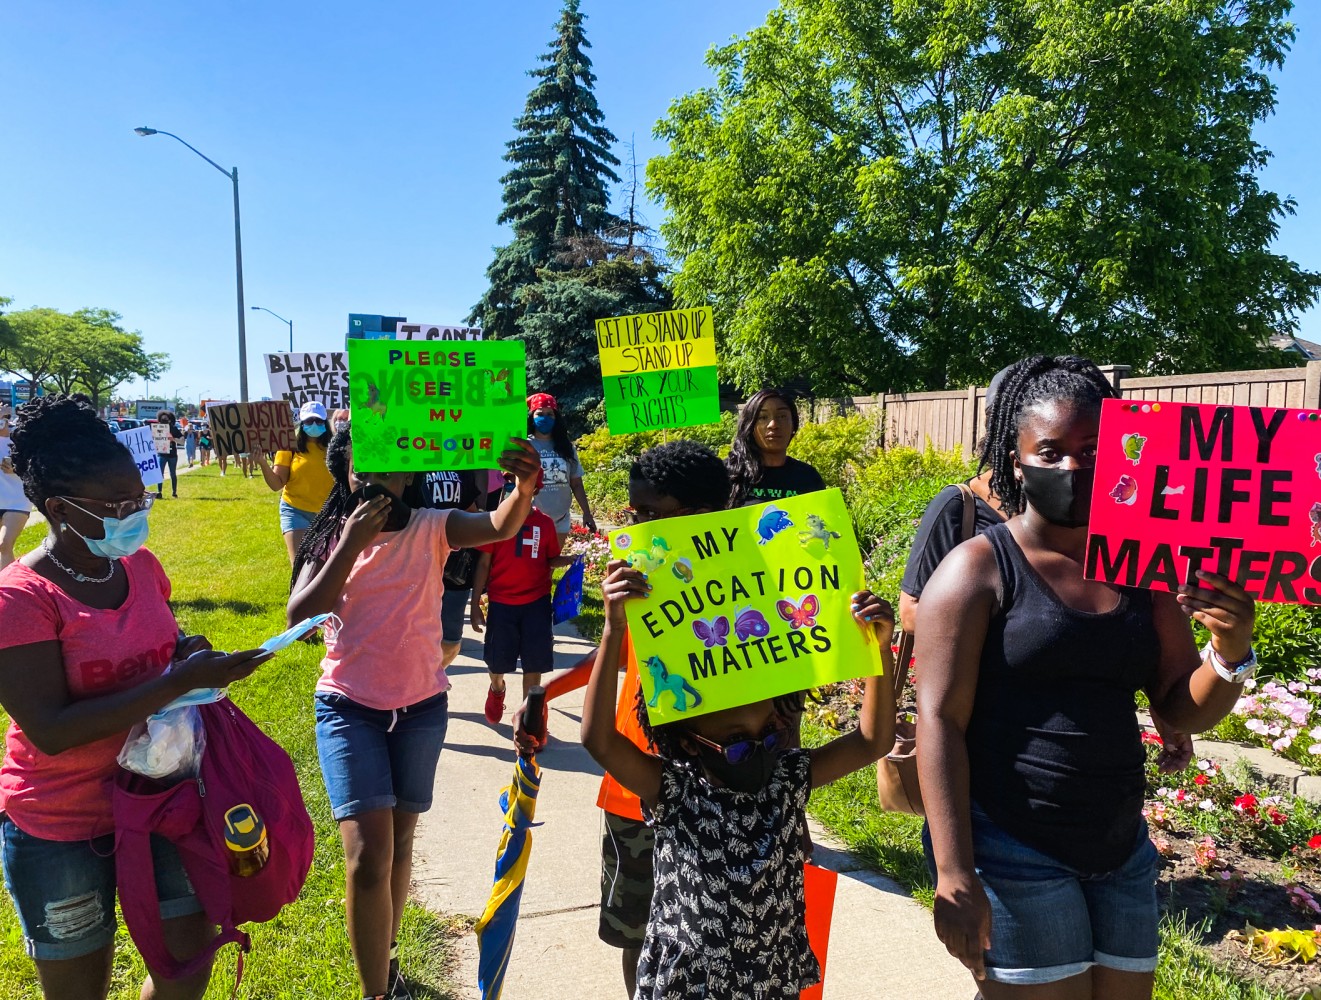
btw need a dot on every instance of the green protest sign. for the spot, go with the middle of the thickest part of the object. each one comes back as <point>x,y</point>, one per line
<point>746,604</point>
<point>423,407</point>
<point>659,370</point>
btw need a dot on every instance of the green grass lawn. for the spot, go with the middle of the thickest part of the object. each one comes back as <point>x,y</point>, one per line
<point>221,546</point>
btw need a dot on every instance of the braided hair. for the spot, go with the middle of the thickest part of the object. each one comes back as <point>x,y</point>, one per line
<point>1033,380</point>
<point>59,444</point>
<point>689,472</point>
<point>745,460</point>
<point>321,537</point>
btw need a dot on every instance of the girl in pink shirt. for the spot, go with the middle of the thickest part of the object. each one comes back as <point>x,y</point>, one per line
<point>86,635</point>
<point>382,702</point>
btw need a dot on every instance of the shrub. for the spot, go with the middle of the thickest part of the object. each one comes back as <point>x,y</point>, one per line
<point>834,445</point>
<point>600,451</point>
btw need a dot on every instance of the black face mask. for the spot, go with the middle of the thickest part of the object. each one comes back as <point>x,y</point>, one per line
<point>749,775</point>
<point>1061,496</point>
<point>397,519</point>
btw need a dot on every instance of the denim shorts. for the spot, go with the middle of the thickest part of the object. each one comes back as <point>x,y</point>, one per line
<point>293,519</point>
<point>1050,922</point>
<point>520,631</point>
<point>376,759</point>
<point>64,891</point>
<point>453,608</point>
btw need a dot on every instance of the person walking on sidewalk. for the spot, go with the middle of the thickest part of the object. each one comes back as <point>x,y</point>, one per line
<point>189,429</point>
<point>549,434</point>
<point>516,577</point>
<point>381,703</point>
<point>300,476</point>
<point>167,450</point>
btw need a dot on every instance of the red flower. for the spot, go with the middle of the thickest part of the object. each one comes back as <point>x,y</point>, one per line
<point>1246,804</point>
<point>1277,817</point>
<point>1200,779</point>
<point>1315,843</point>
<point>1153,738</point>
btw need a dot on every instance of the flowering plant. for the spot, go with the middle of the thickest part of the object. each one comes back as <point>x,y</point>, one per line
<point>1282,715</point>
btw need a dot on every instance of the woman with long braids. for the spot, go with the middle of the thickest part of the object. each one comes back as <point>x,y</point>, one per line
<point>382,703</point>
<point>1031,762</point>
<point>87,638</point>
<point>759,464</point>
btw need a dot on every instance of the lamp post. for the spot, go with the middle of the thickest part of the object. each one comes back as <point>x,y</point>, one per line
<point>282,320</point>
<point>233,176</point>
<point>177,398</point>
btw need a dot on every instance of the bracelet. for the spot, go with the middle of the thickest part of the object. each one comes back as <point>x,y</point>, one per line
<point>1252,655</point>
<point>1233,673</point>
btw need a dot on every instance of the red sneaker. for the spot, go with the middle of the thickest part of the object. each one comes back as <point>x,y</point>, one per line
<point>495,706</point>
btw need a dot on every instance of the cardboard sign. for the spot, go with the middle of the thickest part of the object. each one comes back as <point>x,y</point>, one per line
<point>321,377</point>
<point>160,436</point>
<point>244,428</point>
<point>659,370</point>
<point>1231,489</point>
<point>436,331</point>
<point>419,408</point>
<point>746,604</point>
<point>141,442</point>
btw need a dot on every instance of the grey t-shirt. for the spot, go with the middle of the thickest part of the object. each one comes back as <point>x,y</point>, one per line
<point>556,497</point>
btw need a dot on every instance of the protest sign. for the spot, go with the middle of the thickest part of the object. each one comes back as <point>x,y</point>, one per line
<point>659,370</point>
<point>746,604</point>
<point>436,331</point>
<point>245,428</point>
<point>302,377</point>
<point>140,441</point>
<point>418,408</point>
<point>1235,490</point>
<point>160,436</point>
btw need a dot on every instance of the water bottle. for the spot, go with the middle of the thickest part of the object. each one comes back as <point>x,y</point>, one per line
<point>245,836</point>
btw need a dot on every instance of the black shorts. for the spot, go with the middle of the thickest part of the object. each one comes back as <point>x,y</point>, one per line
<point>627,880</point>
<point>520,631</point>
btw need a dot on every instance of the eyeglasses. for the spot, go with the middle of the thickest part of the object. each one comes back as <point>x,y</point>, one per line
<point>118,509</point>
<point>741,750</point>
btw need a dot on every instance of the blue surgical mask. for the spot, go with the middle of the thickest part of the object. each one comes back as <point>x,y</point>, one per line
<point>123,536</point>
<point>314,430</point>
<point>543,424</point>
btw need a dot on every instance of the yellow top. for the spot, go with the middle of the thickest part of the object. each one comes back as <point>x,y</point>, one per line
<point>310,482</point>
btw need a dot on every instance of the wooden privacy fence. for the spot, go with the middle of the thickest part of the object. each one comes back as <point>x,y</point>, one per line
<point>955,418</point>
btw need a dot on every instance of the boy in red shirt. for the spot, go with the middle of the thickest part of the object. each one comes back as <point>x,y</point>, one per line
<point>516,575</point>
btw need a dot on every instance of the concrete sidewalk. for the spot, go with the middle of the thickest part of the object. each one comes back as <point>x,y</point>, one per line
<point>881,945</point>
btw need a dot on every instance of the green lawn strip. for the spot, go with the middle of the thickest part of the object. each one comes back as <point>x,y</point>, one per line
<point>892,842</point>
<point>221,547</point>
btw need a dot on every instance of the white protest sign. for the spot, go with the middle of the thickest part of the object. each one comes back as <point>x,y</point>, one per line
<point>310,377</point>
<point>141,443</point>
<point>160,434</point>
<point>436,331</point>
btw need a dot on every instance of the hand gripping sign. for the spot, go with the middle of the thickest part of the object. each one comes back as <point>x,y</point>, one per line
<point>1235,490</point>
<point>746,604</point>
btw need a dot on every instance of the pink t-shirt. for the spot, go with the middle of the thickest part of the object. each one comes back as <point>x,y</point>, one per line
<point>386,652</point>
<point>67,797</point>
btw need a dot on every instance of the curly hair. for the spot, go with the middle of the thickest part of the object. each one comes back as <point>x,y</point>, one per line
<point>689,472</point>
<point>59,444</point>
<point>1033,380</point>
<point>745,460</point>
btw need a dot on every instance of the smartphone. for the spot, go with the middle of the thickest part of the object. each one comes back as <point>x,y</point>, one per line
<point>397,519</point>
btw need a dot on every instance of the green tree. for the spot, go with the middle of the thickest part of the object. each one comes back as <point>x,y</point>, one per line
<point>100,356</point>
<point>909,194</point>
<point>557,186</point>
<point>37,342</point>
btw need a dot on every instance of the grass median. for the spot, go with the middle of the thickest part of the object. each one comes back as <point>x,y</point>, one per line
<point>221,546</point>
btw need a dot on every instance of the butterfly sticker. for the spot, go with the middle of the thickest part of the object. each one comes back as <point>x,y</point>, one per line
<point>713,632</point>
<point>802,615</point>
<point>1125,491</point>
<point>751,623</point>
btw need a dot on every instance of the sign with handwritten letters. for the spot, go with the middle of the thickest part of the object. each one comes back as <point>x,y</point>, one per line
<point>310,377</point>
<point>160,434</point>
<point>420,407</point>
<point>1235,490</point>
<point>142,445</point>
<point>245,428</point>
<point>659,370</point>
<point>436,331</point>
<point>746,604</point>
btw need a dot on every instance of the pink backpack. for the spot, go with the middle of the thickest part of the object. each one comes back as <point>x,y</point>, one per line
<point>240,765</point>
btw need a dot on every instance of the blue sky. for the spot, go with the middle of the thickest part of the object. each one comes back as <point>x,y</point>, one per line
<point>368,139</point>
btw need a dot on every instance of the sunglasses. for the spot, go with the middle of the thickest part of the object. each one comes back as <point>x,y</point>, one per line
<point>118,509</point>
<point>740,750</point>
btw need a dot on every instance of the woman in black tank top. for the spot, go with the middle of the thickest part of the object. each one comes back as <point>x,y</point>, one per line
<point>1031,763</point>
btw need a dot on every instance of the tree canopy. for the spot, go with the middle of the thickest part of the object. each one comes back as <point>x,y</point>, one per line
<point>909,194</point>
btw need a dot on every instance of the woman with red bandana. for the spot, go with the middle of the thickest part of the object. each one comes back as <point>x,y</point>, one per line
<point>559,462</point>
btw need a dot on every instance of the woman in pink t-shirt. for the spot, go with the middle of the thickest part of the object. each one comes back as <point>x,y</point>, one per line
<point>382,705</point>
<point>85,641</point>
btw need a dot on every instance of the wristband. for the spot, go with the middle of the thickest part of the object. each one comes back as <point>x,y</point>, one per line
<point>1234,673</point>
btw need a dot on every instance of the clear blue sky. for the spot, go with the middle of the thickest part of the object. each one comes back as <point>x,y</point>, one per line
<point>368,139</point>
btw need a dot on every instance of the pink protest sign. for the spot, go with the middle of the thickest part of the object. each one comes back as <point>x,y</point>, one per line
<point>1187,486</point>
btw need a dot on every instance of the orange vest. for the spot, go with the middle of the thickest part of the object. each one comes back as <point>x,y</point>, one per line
<point>614,797</point>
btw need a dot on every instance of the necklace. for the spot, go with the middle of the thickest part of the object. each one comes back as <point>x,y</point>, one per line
<point>80,577</point>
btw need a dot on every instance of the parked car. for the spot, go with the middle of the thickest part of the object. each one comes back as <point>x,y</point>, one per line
<point>114,426</point>
<point>128,423</point>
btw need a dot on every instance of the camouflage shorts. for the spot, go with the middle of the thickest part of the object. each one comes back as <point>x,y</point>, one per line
<point>626,880</point>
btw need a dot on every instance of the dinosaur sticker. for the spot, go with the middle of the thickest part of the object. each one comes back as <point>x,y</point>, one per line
<point>663,681</point>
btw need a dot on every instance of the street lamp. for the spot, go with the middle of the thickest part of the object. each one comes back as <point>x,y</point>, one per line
<point>177,398</point>
<point>233,175</point>
<point>282,320</point>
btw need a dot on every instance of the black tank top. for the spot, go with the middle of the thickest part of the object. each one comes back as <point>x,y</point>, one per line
<point>1054,750</point>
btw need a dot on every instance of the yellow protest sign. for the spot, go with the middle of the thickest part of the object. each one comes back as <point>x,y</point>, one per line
<point>746,604</point>
<point>656,342</point>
